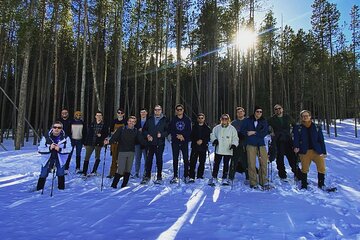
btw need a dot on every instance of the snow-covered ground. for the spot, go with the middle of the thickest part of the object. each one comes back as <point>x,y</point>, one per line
<point>193,211</point>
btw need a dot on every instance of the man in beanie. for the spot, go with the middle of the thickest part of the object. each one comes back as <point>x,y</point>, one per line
<point>281,124</point>
<point>255,128</point>
<point>309,143</point>
<point>225,139</point>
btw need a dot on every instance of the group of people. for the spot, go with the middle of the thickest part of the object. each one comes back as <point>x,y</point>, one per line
<point>238,144</point>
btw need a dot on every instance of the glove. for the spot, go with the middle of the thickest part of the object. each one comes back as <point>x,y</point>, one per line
<point>215,142</point>
<point>232,147</point>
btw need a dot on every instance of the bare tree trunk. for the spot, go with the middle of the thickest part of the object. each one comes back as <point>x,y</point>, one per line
<point>56,77</point>
<point>77,60</point>
<point>166,53</point>
<point>179,14</point>
<point>119,59</point>
<point>83,76</point>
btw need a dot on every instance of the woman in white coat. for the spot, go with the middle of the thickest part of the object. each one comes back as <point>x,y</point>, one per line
<point>225,139</point>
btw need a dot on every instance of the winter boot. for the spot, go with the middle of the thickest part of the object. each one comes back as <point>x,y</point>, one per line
<point>77,162</point>
<point>96,165</point>
<point>116,180</point>
<point>125,180</point>
<point>40,184</point>
<point>304,180</point>
<point>61,182</point>
<point>321,180</point>
<point>85,168</point>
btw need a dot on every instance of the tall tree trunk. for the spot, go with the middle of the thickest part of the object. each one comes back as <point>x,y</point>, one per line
<point>76,95</point>
<point>179,14</point>
<point>56,77</point>
<point>119,58</point>
<point>83,75</point>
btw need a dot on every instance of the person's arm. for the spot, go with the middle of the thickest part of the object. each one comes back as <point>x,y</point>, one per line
<point>65,146</point>
<point>43,148</point>
<point>321,139</point>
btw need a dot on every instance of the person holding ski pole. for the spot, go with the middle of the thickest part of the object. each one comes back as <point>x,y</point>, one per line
<point>255,128</point>
<point>180,130</point>
<point>225,139</point>
<point>310,145</point>
<point>200,137</point>
<point>58,145</point>
<point>126,137</point>
<point>281,124</point>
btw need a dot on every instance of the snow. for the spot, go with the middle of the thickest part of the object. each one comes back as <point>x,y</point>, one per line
<point>180,211</point>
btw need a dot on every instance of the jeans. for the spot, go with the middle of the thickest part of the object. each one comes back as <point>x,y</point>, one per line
<point>45,170</point>
<point>138,153</point>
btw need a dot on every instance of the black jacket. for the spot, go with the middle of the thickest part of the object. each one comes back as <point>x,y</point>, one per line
<point>200,132</point>
<point>151,129</point>
<point>91,137</point>
<point>127,139</point>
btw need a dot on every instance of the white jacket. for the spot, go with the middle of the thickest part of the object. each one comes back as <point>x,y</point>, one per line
<point>226,136</point>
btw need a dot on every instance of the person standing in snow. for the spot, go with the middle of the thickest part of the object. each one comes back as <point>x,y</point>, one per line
<point>239,159</point>
<point>140,149</point>
<point>155,131</point>
<point>66,121</point>
<point>127,137</point>
<point>310,145</point>
<point>180,130</point>
<point>200,137</point>
<point>255,128</point>
<point>97,131</point>
<point>58,145</point>
<point>118,122</point>
<point>281,124</point>
<point>78,133</point>
<point>224,138</point>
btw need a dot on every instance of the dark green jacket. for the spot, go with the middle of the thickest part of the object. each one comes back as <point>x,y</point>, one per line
<point>281,128</point>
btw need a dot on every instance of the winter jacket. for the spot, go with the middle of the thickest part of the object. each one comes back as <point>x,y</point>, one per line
<point>127,139</point>
<point>116,123</point>
<point>281,127</point>
<point>200,133</point>
<point>151,129</point>
<point>140,125</point>
<point>66,125</point>
<point>261,131</point>
<point>64,143</point>
<point>226,136</point>
<point>78,130</point>
<point>91,137</point>
<point>301,138</point>
<point>237,124</point>
<point>180,126</point>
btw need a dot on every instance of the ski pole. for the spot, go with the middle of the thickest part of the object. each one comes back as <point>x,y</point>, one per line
<point>209,162</point>
<point>103,170</point>
<point>179,160</point>
<point>52,182</point>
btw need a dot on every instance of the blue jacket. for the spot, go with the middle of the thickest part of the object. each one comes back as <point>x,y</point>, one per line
<point>301,138</point>
<point>151,129</point>
<point>261,131</point>
<point>180,126</point>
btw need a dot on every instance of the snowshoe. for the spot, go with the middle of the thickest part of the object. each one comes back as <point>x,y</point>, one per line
<point>174,180</point>
<point>191,180</point>
<point>211,182</point>
<point>145,180</point>
<point>225,182</point>
<point>329,189</point>
<point>267,187</point>
<point>158,181</point>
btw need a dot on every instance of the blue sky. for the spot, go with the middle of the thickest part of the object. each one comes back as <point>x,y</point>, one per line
<point>297,13</point>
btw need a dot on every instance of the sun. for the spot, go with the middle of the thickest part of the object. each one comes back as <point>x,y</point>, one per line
<point>245,39</point>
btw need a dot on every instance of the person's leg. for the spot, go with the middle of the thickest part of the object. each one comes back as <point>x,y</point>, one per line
<point>159,161</point>
<point>226,166</point>
<point>251,157</point>
<point>185,155</point>
<point>175,152</point>
<point>193,160</point>
<point>202,160</point>
<point>280,146</point>
<point>217,161</point>
<point>263,166</point>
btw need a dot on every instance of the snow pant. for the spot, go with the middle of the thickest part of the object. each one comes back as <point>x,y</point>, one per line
<point>239,162</point>
<point>138,154</point>
<point>125,162</point>
<point>77,144</point>
<point>195,154</point>
<point>89,151</point>
<point>252,152</point>
<point>184,148</point>
<point>114,159</point>
<point>217,161</point>
<point>285,149</point>
<point>158,152</point>
<point>45,170</point>
<point>306,159</point>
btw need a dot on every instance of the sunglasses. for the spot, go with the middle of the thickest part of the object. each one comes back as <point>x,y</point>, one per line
<point>200,117</point>
<point>120,112</point>
<point>277,108</point>
<point>179,109</point>
<point>56,127</point>
<point>258,111</point>
<point>224,118</point>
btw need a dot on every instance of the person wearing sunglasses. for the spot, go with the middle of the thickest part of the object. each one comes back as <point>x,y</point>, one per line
<point>180,130</point>
<point>225,139</point>
<point>58,145</point>
<point>281,125</point>
<point>255,128</point>
<point>155,131</point>
<point>119,121</point>
<point>200,137</point>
